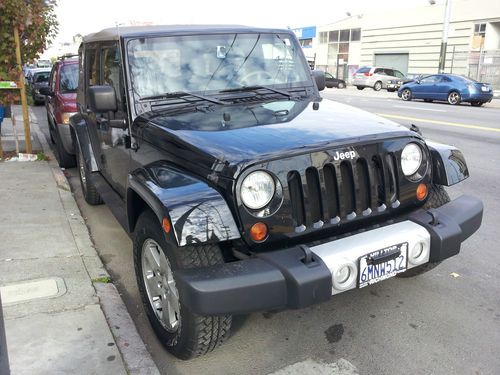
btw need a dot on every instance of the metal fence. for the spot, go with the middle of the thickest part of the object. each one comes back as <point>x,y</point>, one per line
<point>483,66</point>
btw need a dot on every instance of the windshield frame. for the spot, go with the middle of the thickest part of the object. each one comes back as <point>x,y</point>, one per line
<point>139,106</point>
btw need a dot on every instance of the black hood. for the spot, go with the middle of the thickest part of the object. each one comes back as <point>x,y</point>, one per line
<point>238,135</point>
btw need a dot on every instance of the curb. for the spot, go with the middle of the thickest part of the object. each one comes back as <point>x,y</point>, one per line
<point>137,359</point>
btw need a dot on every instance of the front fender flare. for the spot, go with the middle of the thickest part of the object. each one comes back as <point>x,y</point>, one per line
<point>82,141</point>
<point>198,213</point>
<point>448,164</point>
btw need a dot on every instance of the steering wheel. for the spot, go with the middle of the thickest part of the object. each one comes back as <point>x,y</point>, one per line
<point>255,77</point>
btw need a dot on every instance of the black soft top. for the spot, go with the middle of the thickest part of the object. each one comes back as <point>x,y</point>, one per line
<point>114,33</point>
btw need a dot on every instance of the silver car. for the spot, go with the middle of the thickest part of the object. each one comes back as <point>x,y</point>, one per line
<point>376,77</point>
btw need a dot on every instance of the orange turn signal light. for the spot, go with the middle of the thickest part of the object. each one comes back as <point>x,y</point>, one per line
<point>421,192</point>
<point>258,232</point>
<point>165,223</point>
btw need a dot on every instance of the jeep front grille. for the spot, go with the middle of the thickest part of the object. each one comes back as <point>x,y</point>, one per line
<point>343,191</point>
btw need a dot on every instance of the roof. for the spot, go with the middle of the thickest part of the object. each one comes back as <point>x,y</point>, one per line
<point>114,33</point>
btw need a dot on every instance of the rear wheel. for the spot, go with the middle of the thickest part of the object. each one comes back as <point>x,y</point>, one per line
<point>437,197</point>
<point>360,87</point>
<point>476,104</point>
<point>406,95</point>
<point>454,98</point>
<point>377,86</point>
<point>184,333</point>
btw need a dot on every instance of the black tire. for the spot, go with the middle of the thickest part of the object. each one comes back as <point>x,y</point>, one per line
<point>360,87</point>
<point>406,95</point>
<point>195,335</point>
<point>476,104</point>
<point>437,197</point>
<point>454,98</point>
<point>377,86</point>
<point>341,85</point>
<point>65,159</point>
<point>89,191</point>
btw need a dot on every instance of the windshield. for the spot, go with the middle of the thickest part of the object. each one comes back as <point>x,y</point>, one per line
<point>68,80</point>
<point>211,63</point>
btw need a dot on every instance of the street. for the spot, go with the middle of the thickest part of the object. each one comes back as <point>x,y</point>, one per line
<point>446,321</point>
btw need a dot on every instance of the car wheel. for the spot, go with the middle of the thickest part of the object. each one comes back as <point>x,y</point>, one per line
<point>476,104</point>
<point>184,333</point>
<point>341,85</point>
<point>360,87</point>
<point>406,95</point>
<point>437,198</point>
<point>66,160</point>
<point>377,86</point>
<point>89,190</point>
<point>454,98</point>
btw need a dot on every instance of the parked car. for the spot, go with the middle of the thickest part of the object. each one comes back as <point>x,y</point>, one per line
<point>61,105</point>
<point>447,87</point>
<point>242,190</point>
<point>38,78</point>
<point>376,77</point>
<point>331,81</point>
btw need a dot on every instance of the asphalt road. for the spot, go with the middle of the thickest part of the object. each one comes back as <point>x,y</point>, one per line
<point>444,322</point>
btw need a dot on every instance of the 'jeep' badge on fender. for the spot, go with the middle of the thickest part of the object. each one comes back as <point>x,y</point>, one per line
<point>344,155</point>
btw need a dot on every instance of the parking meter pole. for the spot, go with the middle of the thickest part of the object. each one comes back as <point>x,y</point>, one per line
<point>24,102</point>
<point>4,358</point>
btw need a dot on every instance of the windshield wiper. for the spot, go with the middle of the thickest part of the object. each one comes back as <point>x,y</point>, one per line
<point>180,94</point>
<point>258,87</point>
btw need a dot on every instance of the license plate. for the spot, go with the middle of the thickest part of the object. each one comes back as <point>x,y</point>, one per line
<point>370,273</point>
<point>485,88</point>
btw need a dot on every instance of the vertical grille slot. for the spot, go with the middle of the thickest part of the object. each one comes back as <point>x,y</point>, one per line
<point>378,183</point>
<point>390,179</point>
<point>314,194</point>
<point>363,185</point>
<point>296,197</point>
<point>332,201</point>
<point>348,193</point>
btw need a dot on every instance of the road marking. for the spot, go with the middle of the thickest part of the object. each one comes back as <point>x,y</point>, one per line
<point>312,367</point>
<point>446,123</point>
<point>420,108</point>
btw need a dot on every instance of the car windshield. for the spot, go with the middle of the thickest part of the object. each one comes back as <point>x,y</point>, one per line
<point>68,79</point>
<point>213,63</point>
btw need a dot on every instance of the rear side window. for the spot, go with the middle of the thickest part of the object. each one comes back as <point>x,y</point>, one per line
<point>398,74</point>
<point>68,79</point>
<point>379,71</point>
<point>365,69</point>
<point>389,72</point>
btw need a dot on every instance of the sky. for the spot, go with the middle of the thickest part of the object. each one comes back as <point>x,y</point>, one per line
<point>89,16</point>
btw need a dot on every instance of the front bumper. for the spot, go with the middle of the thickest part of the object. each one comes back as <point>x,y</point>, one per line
<point>285,279</point>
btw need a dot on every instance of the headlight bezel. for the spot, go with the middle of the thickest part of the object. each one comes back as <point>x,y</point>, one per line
<point>272,205</point>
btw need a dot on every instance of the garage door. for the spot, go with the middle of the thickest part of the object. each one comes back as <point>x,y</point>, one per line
<point>397,61</point>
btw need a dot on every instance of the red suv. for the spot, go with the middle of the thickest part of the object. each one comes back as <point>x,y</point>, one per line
<point>61,105</point>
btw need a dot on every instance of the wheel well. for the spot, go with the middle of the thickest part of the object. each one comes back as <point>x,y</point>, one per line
<point>135,206</point>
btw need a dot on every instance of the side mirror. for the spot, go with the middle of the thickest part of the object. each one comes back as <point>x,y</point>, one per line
<point>102,99</point>
<point>417,81</point>
<point>46,91</point>
<point>319,77</point>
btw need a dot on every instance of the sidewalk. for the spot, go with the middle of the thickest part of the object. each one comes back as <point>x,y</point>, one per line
<point>62,316</point>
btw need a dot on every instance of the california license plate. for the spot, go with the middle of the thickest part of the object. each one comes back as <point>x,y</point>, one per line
<point>485,88</point>
<point>374,267</point>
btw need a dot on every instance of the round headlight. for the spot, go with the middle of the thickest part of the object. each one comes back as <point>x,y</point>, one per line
<point>257,190</point>
<point>411,158</point>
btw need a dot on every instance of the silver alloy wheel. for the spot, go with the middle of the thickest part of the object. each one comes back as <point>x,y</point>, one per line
<point>453,97</point>
<point>160,285</point>
<point>406,94</point>
<point>378,86</point>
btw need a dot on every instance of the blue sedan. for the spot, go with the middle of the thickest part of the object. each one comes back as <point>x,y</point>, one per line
<point>447,87</point>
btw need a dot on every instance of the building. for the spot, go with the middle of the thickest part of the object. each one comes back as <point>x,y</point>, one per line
<point>305,35</point>
<point>410,40</point>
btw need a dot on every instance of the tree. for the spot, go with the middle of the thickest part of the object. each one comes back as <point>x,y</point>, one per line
<point>37,24</point>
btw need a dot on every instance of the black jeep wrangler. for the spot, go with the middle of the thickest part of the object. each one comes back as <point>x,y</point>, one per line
<point>242,189</point>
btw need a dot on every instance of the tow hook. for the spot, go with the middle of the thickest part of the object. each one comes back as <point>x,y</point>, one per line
<point>434,217</point>
<point>308,255</point>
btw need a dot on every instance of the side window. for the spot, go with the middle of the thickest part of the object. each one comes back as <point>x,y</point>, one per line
<point>389,72</point>
<point>328,75</point>
<point>398,74</point>
<point>111,71</point>
<point>379,71</point>
<point>429,79</point>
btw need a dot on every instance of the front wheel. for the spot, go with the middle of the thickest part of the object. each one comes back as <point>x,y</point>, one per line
<point>437,198</point>
<point>184,333</point>
<point>406,95</point>
<point>89,190</point>
<point>454,98</point>
<point>66,160</point>
<point>341,85</point>
<point>377,86</point>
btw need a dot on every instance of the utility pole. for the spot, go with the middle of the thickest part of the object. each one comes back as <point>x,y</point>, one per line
<point>24,102</point>
<point>444,41</point>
